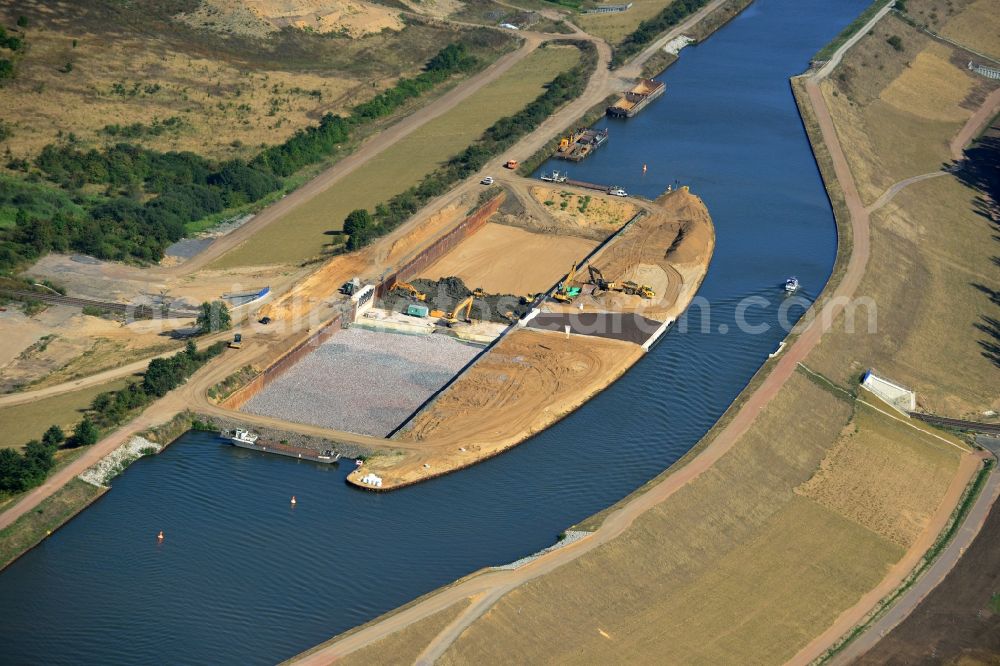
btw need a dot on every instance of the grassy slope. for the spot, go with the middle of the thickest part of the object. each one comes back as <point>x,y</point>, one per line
<point>741,561</point>
<point>299,235</point>
<point>930,246</point>
<point>20,423</point>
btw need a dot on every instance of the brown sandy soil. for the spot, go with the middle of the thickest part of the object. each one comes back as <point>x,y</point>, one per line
<point>520,387</point>
<point>260,18</point>
<point>60,344</point>
<point>507,260</point>
<point>668,250</point>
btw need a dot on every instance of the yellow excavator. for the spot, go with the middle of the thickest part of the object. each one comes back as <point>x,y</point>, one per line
<point>413,291</point>
<point>600,284</point>
<point>462,312</point>
<point>564,292</point>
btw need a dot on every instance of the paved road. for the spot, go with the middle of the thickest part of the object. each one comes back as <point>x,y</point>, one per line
<point>945,562</point>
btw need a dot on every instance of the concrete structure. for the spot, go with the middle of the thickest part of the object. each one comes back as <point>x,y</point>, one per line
<point>609,9</point>
<point>899,397</point>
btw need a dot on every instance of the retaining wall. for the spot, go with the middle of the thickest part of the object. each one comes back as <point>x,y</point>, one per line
<point>284,362</point>
<point>442,246</point>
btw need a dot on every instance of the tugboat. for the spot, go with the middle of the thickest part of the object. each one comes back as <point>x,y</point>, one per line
<point>791,285</point>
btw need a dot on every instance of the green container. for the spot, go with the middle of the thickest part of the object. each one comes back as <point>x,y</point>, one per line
<point>415,310</point>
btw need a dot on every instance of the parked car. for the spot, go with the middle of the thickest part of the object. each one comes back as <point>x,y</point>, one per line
<point>487,181</point>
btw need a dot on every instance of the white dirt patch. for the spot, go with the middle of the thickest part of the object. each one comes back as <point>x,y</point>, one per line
<point>114,463</point>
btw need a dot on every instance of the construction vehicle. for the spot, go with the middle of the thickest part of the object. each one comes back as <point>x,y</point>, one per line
<point>564,292</point>
<point>348,288</point>
<point>478,293</point>
<point>413,291</point>
<point>511,164</point>
<point>462,312</point>
<point>237,342</point>
<point>600,284</point>
<point>636,289</point>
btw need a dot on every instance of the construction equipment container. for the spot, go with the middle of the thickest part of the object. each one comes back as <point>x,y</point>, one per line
<point>415,310</point>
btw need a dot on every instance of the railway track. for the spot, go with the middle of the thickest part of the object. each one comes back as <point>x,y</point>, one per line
<point>974,426</point>
<point>133,311</point>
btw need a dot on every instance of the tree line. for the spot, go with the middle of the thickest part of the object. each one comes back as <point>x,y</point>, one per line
<point>151,196</point>
<point>651,28</point>
<point>362,226</point>
<point>23,471</point>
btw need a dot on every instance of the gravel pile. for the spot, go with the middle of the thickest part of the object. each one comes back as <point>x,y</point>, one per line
<point>363,381</point>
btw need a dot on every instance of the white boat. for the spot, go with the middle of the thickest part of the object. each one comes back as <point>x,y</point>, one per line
<point>617,192</point>
<point>791,285</point>
<point>241,436</point>
<point>555,177</point>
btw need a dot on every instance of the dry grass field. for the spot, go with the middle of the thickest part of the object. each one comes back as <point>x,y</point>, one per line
<point>739,562</point>
<point>882,97</point>
<point>615,27</point>
<point>975,28</point>
<point>20,423</point>
<point>507,260</point>
<point>930,248</point>
<point>300,234</point>
<point>88,65</point>
<point>868,476</point>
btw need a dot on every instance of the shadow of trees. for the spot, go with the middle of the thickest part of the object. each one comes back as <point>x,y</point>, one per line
<point>980,170</point>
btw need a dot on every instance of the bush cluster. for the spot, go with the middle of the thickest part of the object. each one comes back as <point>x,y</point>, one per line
<point>151,196</point>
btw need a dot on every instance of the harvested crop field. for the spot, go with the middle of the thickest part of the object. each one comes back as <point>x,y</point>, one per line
<point>302,233</point>
<point>508,260</point>
<point>363,381</point>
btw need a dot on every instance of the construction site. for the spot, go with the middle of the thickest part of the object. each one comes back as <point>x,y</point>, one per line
<point>478,330</point>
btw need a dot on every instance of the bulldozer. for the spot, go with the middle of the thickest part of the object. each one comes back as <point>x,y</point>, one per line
<point>413,291</point>
<point>564,292</point>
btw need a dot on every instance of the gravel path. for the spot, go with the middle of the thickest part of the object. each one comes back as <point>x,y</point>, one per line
<point>363,381</point>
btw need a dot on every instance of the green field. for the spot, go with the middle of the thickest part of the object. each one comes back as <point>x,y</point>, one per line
<point>300,234</point>
<point>613,28</point>
<point>20,423</point>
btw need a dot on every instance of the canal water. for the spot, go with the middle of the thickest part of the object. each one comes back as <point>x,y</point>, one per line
<point>243,577</point>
